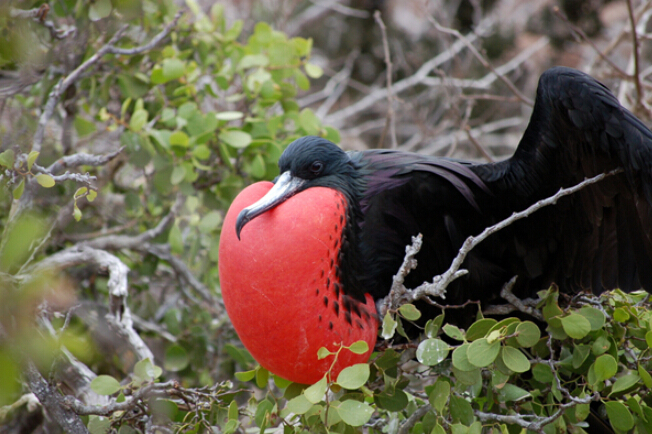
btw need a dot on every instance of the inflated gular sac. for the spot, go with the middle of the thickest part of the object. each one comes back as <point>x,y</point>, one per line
<point>281,289</point>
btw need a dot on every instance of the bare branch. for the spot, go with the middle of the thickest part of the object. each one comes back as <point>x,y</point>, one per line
<point>340,116</point>
<point>120,317</point>
<point>390,120</point>
<point>439,283</point>
<point>82,159</point>
<point>482,59</point>
<point>67,81</point>
<point>117,242</point>
<point>52,402</point>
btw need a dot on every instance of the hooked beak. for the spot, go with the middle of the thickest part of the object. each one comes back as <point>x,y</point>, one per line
<point>285,187</point>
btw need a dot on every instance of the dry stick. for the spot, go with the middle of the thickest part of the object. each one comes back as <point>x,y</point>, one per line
<point>439,284</point>
<point>584,37</point>
<point>635,47</point>
<point>52,402</point>
<point>481,58</point>
<point>407,83</point>
<point>390,120</point>
<point>65,82</point>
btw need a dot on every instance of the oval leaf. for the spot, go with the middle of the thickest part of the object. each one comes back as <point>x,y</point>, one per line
<point>481,353</point>
<point>353,377</point>
<point>355,413</point>
<point>515,360</point>
<point>105,385</point>
<point>619,416</point>
<point>527,334</point>
<point>409,312</point>
<point>605,367</point>
<point>235,139</point>
<point>359,347</point>
<point>576,326</point>
<point>45,180</point>
<point>316,392</point>
<point>432,351</point>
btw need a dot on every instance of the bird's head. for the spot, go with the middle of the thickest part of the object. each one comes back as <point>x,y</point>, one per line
<point>307,162</point>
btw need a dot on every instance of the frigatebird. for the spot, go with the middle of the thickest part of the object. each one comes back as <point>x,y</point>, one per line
<point>306,256</point>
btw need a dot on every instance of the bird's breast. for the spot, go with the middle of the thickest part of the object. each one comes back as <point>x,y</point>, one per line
<point>281,284</point>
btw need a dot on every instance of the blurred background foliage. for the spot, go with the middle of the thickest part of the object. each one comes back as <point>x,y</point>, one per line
<point>113,189</point>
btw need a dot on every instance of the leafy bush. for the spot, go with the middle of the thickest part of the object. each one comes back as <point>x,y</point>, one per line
<point>119,157</point>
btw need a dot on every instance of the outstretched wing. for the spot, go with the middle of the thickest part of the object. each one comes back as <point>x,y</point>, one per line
<point>599,238</point>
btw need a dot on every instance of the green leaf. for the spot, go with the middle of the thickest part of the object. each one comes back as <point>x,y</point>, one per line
<point>98,424</point>
<point>92,194</point>
<point>210,222</point>
<point>648,339</point>
<point>31,159</point>
<point>359,347</point>
<point>315,393</point>
<point>461,410</point>
<point>542,373</point>
<point>235,139</point>
<point>18,191</point>
<point>480,328</point>
<point>481,353</point>
<point>105,385</point>
<point>322,353</point>
<point>595,317</point>
<point>201,152</point>
<point>76,212</point>
<point>245,375</point>
<point>45,180</point>
<point>178,175</point>
<point>138,120</point>
<point>461,359</point>
<point>605,367</point>
<point>145,370</point>
<point>83,126</point>
<point>313,71</point>
<point>298,405</point>
<point>619,415</point>
<point>439,395</point>
<point>528,334</point>
<point>99,9</point>
<point>514,359</point>
<point>409,312</point>
<point>431,352</point>
<point>262,377</point>
<point>353,377</point>
<point>389,326</point>
<point>229,116</point>
<point>580,354</point>
<point>624,383</point>
<point>7,158</point>
<point>176,358</point>
<point>179,138</point>
<point>172,69</point>
<point>253,60</point>
<point>512,393</point>
<point>576,326</point>
<point>453,332</point>
<point>620,314</point>
<point>645,376</point>
<point>355,413</point>
<point>309,122</point>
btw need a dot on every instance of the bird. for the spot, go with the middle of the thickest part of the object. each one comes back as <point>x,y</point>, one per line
<point>303,259</point>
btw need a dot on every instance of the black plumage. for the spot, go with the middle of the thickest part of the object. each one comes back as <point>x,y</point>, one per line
<point>598,238</point>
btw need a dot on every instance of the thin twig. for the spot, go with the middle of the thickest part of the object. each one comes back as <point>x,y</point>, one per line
<point>390,120</point>
<point>481,58</point>
<point>439,284</point>
<point>584,37</point>
<point>635,49</point>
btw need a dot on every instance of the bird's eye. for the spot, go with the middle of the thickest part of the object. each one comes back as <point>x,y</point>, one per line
<point>316,167</point>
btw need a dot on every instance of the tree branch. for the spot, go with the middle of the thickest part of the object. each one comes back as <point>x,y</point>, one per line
<point>52,402</point>
<point>439,284</point>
